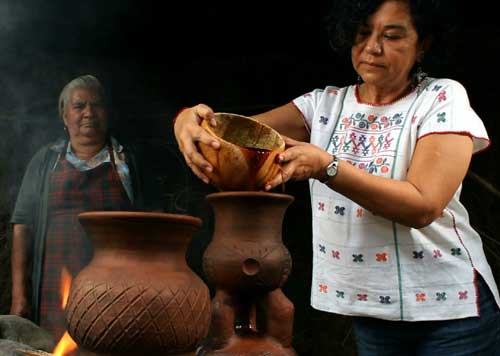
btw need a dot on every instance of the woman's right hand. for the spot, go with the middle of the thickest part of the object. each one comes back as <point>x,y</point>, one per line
<point>188,132</point>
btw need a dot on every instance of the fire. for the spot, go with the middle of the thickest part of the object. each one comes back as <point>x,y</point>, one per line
<point>65,287</point>
<point>66,345</point>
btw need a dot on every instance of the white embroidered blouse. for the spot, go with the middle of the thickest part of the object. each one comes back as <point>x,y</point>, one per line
<point>367,265</point>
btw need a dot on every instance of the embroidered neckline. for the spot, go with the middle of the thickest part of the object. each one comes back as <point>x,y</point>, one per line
<point>401,98</point>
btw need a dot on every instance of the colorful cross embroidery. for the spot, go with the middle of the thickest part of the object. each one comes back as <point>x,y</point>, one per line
<point>381,257</point>
<point>413,119</point>
<point>339,210</point>
<point>322,248</point>
<point>340,294</point>
<point>441,117</point>
<point>442,96</point>
<point>357,258</point>
<point>323,288</point>
<point>420,297</point>
<point>321,206</point>
<point>418,254</point>
<point>359,213</point>
<point>437,254</point>
<point>385,299</point>
<point>336,254</point>
<point>462,295</point>
<point>363,297</point>
<point>441,296</point>
<point>456,251</point>
<point>436,87</point>
<point>323,120</point>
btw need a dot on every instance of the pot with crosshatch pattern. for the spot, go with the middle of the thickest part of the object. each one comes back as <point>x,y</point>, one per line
<point>138,295</point>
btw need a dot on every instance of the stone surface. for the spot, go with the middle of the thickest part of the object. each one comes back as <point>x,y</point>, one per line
<point>21,330</point>
<point>9,347</point>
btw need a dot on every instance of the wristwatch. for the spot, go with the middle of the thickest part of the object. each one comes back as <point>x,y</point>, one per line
<point>332,169</point>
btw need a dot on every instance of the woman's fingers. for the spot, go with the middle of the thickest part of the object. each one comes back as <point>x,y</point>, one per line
<point>206,113</point>
<point>197,171</point>
<point>189,134</point>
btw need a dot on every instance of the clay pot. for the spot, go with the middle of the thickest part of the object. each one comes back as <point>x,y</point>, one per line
<point>246,158</point>
<point>246,253</point>
<point>138,296</point>
<point>248,263</point>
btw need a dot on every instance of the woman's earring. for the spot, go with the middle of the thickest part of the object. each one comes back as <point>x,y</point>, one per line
<point>360,80</point>
<point>419,75</point>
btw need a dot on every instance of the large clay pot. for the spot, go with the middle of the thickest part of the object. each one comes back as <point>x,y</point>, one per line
<point>248,263</point>
<point>138,296</point>
<point>246,159</point>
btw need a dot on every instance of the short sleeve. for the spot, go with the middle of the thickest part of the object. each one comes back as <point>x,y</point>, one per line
<point>450,112</point>
<point>309,103</point>
<point>29,193</point>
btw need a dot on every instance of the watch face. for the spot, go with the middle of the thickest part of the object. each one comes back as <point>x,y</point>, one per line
<point>331,170</point>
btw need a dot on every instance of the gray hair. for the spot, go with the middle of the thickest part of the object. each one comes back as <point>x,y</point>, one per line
<point>88,82</point>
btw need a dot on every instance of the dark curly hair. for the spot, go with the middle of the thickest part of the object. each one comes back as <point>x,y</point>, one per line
<point>432,19</point>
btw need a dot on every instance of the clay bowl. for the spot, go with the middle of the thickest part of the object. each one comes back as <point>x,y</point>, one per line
<point>246,158</point>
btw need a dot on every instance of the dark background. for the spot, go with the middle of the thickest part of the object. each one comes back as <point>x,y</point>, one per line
<point>155,57</point>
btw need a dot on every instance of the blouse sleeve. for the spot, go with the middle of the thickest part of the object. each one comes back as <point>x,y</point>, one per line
<point>450,112</point>
<point>309,102</point>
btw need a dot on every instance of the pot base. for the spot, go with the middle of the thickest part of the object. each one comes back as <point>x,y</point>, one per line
<point>260,345</point>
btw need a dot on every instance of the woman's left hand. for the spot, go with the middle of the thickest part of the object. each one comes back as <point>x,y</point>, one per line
<point>300,161</point>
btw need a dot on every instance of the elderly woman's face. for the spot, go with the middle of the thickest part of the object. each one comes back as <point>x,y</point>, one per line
<point>85,115</point>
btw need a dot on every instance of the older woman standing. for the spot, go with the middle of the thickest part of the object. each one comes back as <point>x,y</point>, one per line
<point>385,159</point>
<point>89,170</point>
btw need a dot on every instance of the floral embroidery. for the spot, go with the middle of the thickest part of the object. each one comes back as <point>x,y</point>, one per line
<point>323,288</point>
<point>322,248</point>
<point>441,117</point>
<point>336,254</point>
<point>456,251</point>
<point>420,297</point>
<point>418,254</point>
<point>362,297</point>
<point>462,295</point>
<point>437,254</point>
<point>323,120</point>
<point>359,213</point>
<point>385,299</point>
<point>340,294</point>
<point>381,257</point>
<point>379,163</point>
<point>373,122</point>
<point>414,119</point>
<point>357,258</point>
<point>441,297</point>
<point>321,206</point>
<point>436,87</point>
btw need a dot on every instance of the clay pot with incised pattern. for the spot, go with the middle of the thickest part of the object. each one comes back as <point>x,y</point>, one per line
<point>248,263</point>
<point>138,296</point>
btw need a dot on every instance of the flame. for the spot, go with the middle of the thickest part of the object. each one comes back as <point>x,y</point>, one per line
<point>65,287</point>
<point>65,346</point>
